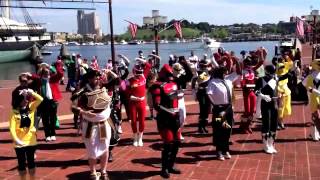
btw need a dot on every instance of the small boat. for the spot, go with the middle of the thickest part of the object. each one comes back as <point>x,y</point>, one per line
<point>164,41</point>
<point>46,53</point>
<point>177,41</point>
<point>73,43</point>
<point>91,43</point>
<point>123,42</point>
<point>134,42</point>
<point>51,44</point>
<point>98,44</point>
<point>209,43</point>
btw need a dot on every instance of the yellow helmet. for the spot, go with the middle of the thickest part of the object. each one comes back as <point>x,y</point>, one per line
<point>280,69</point>
<point>203,77</point>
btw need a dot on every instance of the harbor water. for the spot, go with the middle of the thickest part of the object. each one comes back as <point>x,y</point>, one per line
<point>10,71</point>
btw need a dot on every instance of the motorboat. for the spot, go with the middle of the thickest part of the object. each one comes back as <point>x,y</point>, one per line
<point>134,42</point>
<point>73,43</point>
<point>210,43</point>
<point>123,42</point>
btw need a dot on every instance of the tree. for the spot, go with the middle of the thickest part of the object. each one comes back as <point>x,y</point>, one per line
<point>220,33</point>
<point>204,26</point>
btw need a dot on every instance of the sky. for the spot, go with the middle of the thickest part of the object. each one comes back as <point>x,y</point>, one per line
<point>218,12</point>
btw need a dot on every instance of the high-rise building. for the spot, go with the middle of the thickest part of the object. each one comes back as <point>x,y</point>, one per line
<point>88,23</point>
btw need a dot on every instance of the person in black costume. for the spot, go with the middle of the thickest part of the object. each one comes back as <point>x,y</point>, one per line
<point>266,89</point>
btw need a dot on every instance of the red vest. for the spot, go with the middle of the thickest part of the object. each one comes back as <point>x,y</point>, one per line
<point>137,86</point>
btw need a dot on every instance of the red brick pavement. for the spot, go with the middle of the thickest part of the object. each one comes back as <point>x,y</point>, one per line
<point>297,157</point>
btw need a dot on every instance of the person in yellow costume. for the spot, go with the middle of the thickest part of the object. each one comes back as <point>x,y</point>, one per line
<point>22,129</point>
<point>284,94</point>
<point>312,83</point>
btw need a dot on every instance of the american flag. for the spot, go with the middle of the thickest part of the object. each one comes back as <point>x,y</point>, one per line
<point>309,28</point>
<point>300,27</point>
<point>177,26</point>
<point>133,29</point>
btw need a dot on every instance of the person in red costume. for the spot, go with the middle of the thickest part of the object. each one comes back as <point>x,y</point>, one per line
<point>248,79</point>
<point>137,102</point>
<point>165,99</point>
<point>222,57</point>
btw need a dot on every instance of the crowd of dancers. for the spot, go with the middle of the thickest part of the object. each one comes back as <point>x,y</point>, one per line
<point>99,93</point>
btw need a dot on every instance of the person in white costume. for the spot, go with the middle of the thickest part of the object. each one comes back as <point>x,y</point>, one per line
<point>94,106</point>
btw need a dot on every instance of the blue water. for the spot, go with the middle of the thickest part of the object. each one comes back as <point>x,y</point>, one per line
<point>10,71</point>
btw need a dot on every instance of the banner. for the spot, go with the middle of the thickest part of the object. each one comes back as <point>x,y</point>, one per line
<point>300,27</point>
<point>177,26</point>
<point>133,29</point>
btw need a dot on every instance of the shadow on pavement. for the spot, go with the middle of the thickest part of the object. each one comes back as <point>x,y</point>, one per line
<point>62,164</point>
<point>4,130</point>
<point>5,158</point>
<point>156,162</point>
<point>64,145</point>
<point>206,155</point>
<point>152,162</point>
<point>5,141</point>
<point>68,134</point>
<point>307,124</point>
<point>116,175</point>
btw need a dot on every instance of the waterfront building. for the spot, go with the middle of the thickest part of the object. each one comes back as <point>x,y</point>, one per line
<point>287,27</point>
<point>88,23</point>
<point>155,19</point>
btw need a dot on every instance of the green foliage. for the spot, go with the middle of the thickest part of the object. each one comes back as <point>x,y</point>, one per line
<point>219,33</point>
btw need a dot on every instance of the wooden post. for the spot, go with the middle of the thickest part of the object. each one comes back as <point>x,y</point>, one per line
<point>113,56</point>
<point>314,30</point>
<point>156,40</point>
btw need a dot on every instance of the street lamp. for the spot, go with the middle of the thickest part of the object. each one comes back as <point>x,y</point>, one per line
<point>155,22</point>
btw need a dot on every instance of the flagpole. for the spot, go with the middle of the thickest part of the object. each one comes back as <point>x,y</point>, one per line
<point>156,42</point>
<point>113,56</point>
<point>170,26</point>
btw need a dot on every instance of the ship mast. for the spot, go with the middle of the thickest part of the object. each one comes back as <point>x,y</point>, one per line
<point>5,10</point>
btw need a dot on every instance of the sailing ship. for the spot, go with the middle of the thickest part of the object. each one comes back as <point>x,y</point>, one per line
<point>16,38</point>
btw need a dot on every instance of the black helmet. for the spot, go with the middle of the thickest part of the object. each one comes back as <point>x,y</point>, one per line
<point>243,52</point>
<point>270,69</point>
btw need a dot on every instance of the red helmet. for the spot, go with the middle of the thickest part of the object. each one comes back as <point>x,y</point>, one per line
<point>137,69</point>
<point>165,72</point>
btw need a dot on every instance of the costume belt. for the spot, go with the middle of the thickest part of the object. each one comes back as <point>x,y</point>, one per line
<point>250,85</point>
<point>180,95</point>
<point>102,129</point>
<point>169,110</point>
<point>134,98</point>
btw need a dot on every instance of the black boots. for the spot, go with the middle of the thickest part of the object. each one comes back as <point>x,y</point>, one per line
<point>169,154</point>
<point>164,161</point>
<point>202,126</point>
<point>172,158</point>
